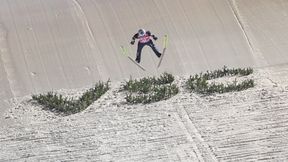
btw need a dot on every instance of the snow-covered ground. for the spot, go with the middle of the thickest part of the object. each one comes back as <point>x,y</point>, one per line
<point>236,126</point>
<point>70,44</point>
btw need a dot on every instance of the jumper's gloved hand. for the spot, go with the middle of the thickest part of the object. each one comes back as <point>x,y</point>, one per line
<point>154,37</point>
<point>132,42</point>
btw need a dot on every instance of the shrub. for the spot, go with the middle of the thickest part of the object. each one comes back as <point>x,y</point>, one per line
<point>150,89</point>
<point>226,72</point>
<point>165,78</point>
<point>58,103</point>
<point>144,85</point>
<point>199,83</point>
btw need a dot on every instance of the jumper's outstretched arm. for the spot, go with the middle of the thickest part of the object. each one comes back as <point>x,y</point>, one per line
<point>134,38</point>
<point>152,35</point>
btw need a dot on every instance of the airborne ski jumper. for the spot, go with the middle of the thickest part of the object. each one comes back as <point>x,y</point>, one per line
<point>144,39</point>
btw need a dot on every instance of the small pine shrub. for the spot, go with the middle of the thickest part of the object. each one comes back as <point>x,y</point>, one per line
<point>60,104</point>
<point>165,78</point>
<point>226,72</point>
<point>199,83</point>
<point>150,89</point>
<point>144,85</point>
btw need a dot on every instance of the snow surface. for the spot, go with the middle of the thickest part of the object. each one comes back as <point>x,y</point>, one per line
<point>236,126</point>
<point>65,45</point>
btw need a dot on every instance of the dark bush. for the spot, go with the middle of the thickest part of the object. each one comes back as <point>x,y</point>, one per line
<point>60,104</point>
<point>199,83</point>
<point>150,89</point>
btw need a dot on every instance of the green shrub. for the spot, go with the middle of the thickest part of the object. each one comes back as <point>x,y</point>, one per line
<point>165,78</point>
<point>226,72</point>
<point>144,85</point>
<point>150,89</point>
<point>199,83</point>
<point>58,103</point>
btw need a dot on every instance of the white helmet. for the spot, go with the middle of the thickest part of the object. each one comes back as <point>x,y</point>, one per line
<point>141,32</point>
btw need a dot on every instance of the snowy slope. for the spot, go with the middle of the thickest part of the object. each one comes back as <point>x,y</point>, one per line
<point>68,44</point>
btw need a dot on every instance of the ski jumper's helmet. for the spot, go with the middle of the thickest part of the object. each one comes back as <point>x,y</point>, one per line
<point>141,32</point>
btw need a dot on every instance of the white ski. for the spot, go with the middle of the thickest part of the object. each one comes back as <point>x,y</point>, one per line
<point>124,51</point>
<point>164,49</point>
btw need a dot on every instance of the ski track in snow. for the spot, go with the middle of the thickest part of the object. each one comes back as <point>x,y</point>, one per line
<point>5,61</point>
<point>259,58</point>
<point>90,37</point>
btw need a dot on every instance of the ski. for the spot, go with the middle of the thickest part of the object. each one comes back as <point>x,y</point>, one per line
<point>125,52</point>
<point>164,49</point>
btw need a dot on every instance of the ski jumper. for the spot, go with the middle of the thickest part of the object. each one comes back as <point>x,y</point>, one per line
<point>144,39</point>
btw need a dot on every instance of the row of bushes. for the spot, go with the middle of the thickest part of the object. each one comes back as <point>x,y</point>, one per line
<point>144,85</point>
<point>225,72</point>
<point>199,83</point>
<point>150,89</point>
<point>147,90</point>
<point>58,103</point>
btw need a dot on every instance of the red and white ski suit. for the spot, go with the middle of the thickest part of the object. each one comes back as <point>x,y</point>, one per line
<point>143,41</point>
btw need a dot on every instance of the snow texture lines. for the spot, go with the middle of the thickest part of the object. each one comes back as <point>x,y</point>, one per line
<point>258,56</point>
<point>4,55</point>
<point>91,39</point>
